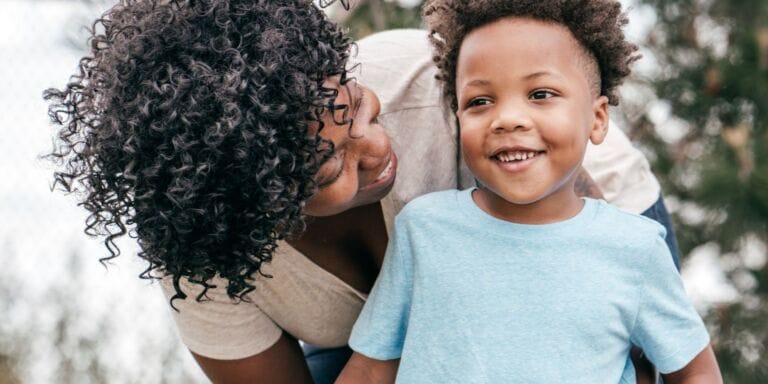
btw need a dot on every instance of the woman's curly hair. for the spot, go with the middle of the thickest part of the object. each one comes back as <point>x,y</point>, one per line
<point>596,24</point>
<point>187,128</point>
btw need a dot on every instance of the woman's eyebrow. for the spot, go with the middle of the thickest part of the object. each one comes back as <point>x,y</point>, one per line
<point>355,99</point>
<point>358,98</point>
<point>542,73</point>
<point>351,105</point>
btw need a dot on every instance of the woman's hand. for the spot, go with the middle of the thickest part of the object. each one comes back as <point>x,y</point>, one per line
<point>703,369</point>
<point>586,187</point>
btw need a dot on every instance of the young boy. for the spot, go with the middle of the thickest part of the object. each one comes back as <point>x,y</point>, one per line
<point>519,279</point>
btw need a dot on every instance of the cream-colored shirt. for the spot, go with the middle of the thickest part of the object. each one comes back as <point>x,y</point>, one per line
<point>317,307</point>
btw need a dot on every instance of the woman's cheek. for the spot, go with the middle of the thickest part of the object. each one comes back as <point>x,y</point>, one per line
<point>333,199</point>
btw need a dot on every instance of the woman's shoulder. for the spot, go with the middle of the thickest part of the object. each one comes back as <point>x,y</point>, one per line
<point>291,294</point>
<point>406,39</point>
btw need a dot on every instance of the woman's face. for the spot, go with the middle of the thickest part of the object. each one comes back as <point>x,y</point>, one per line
<point>363,166</point>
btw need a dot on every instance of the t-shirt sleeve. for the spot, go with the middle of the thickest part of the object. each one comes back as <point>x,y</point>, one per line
<point>667,327</point>
<point>217,327</point>
<point>380,329</point>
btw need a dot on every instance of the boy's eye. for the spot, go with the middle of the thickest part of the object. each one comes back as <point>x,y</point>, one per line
<point>478,101</point>
<point>541,94</point>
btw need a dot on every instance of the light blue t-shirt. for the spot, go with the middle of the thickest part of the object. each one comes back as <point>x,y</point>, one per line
<point>464,297</point>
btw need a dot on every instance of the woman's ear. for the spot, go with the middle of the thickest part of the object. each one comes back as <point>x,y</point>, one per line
<point>599,121</point>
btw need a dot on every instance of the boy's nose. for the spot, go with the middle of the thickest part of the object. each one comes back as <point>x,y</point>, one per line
<point>511,117</point>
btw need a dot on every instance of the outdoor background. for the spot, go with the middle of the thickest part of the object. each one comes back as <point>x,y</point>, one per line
<point>696,105</point>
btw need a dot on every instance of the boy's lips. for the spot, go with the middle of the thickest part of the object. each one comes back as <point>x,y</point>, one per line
<point>517,158</point>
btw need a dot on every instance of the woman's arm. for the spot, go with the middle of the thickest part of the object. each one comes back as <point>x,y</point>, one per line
<point>702,369</point>
<point>362,369</point>
<point>282,363</point>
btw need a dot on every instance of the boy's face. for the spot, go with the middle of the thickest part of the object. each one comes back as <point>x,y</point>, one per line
<point>526,110</point>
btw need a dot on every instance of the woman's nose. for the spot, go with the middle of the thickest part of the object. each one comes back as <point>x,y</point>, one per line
<point>370,139</point>
<point>373,148</point>
<point>368,115</point>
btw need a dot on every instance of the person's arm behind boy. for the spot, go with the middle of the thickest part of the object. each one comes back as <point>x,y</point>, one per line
<point>362,369</point>
<point>702,369</point>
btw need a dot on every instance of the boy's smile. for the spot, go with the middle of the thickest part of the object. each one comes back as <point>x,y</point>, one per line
<point>517,158</point>
<point>528,104</point>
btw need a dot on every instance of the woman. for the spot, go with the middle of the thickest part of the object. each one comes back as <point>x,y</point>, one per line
<point>230,139</point>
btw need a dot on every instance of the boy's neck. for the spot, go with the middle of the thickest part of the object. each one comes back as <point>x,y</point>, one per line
<point>556,207</point>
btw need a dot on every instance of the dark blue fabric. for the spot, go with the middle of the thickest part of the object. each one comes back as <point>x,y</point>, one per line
<point>658,211</point>
<point>325,364</point>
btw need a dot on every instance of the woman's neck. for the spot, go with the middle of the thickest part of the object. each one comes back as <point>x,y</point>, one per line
<point>350,245</point>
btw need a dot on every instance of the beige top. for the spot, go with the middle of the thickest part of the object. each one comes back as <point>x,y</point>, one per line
<point>314,305</point>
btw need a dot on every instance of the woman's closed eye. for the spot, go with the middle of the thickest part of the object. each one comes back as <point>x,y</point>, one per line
<point>335,168</point>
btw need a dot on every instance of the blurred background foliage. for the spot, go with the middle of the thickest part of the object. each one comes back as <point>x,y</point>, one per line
<point>698,110</point>
<point>712,57</point>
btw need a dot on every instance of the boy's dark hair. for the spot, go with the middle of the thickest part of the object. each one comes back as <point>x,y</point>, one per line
<point>189,119</point>
<point>596,24</point>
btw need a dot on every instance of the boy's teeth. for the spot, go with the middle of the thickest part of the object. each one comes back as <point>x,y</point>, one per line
<point>515,156</point>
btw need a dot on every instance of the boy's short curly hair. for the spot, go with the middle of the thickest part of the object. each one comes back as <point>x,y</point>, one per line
<point>596,24</point>
<point>189,119</point>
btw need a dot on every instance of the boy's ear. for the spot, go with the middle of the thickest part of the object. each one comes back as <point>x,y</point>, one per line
<point>599,121</point>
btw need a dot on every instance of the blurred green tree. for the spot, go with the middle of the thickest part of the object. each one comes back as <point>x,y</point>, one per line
<point>368,16</point>
<point>713,75</point>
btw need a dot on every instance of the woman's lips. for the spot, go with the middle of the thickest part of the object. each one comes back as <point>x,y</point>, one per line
<point>387,175</point>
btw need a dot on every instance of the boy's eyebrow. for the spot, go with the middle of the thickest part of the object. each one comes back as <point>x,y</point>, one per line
<point>475,83</point>
<point>540,74</point>
<point>530,76</point>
